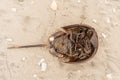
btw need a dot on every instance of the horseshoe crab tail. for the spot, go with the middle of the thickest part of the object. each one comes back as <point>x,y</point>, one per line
<point>27,46</point>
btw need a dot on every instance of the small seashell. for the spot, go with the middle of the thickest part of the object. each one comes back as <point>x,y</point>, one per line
<point>42,60</point>
<point>9,39</point>
<point>94,20</point>
<point>43,64</point>
<point>109,76</point>
<point>78,1</point>
<point>35,75</point>
<point>54,6</point>
<point>108,20</point>
<point>79,71</point>
<point>14,9</point>
<point>24,58</point>
<point>104,36</point>
<point>51,38</point>
<point>113,10</point>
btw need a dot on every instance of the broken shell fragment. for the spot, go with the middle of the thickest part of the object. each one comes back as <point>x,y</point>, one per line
<point>53,5</point>
<point>51,38</point>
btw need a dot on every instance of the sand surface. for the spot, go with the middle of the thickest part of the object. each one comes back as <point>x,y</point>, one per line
<point>32,21</point>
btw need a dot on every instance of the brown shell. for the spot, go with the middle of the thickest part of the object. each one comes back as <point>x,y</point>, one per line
<point>74,43</point>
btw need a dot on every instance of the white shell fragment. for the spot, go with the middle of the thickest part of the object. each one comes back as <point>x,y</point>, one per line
<point>108,20</point>
<point>51,38</point>
<point>9,39</point>
<point>113,10</point>
<point>42,64</point>
<point>14,9</point>
<point>94,20</point>
<point>79,71</point>
<point>53,5</point>
<point>104,36</point>
<point>24,58</point>
<point>78,1</point>
<point>109,76</point>
<point>35,75</point>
